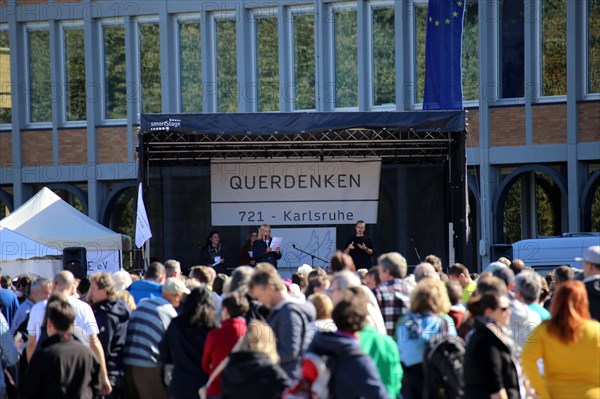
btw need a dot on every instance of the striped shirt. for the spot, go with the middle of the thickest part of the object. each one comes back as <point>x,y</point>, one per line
<point>147,327</point>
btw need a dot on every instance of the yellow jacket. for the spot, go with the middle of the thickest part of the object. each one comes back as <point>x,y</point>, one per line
<point>570,370</point>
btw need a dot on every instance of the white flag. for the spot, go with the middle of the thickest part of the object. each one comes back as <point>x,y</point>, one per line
<point>142,227</point>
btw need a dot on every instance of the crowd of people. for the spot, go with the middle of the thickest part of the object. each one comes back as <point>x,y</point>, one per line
<point>342,333</point>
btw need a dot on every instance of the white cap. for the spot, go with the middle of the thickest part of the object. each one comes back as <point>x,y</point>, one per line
<point>591,255</point>
<point>175,286</point>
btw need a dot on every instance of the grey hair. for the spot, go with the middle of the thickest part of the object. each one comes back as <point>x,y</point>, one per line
<point>346,279</point>
<point>172,266</point>
<point>394,263</point>
<point>425,270</point>
<point>41,282</point>
<point>529,284</point>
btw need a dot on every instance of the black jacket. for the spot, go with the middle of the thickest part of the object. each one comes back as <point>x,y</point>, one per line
<point>207,258</point>
<point>61,368</point>
<point>183,346</point>
<point>489,365</point>
<point>252,375</point>
<point>112,318</point>
<point>593,291</point>
<point>355,374</point>
<point>260,254</point>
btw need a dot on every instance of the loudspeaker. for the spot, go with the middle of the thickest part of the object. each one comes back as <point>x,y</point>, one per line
<point>75,260</point>
<point>500,250</point>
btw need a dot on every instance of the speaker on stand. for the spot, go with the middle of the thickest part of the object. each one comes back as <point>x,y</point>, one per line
<point>75,260</point>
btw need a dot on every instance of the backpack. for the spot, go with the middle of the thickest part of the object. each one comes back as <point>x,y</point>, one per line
<point>443,366</point>
<point>318,376</point>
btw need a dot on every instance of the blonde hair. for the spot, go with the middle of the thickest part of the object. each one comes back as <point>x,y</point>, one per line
<point>126,297</point>
<point>261,231</point>
<point>260,338</point>
<point>430,296</point>
<point>323,305</point>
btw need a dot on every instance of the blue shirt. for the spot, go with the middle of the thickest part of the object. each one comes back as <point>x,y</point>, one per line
<point>9,303</point>
<point>145,289</point>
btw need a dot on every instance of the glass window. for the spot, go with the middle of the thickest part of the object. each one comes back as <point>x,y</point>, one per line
<point>5,82</point>
<point>512,48</point>
<point>594,46</point>
<point>115,85</point>
<point>40,93</point>
<point>150,68</point>
<point>420,38</point>
<point>554,47</point>
<point>470,52</point>
<point>346,58</point>
<point>74,75</point>
<point>384,53</point>
<point>267,58</point>
<point>190,66</point>
<point>226,66</point>
<point>304,61</point>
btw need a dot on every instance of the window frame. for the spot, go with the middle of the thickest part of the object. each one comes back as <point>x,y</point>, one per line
<point>212,19</point>
<point>179,19</point>
<point>104,120</point>
<point>291,13</point>
<point>7,126</point>
<point>66,25</point>
<point>370,29</point>
<point>143,20</point>
<point>334,8</point>
<point>254,15</point>
<point>33,27</point>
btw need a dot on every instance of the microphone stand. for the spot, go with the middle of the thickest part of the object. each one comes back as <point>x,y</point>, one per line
<point>412,240</point>
<point>312,256</point>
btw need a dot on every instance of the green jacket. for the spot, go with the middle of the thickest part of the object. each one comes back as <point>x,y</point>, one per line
<point>384,352</point>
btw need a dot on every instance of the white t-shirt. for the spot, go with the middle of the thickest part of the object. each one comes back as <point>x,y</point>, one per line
<point>84,317</point>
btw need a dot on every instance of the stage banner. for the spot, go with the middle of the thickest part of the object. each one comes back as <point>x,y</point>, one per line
<point>294,192</point>
<point>104,260</point>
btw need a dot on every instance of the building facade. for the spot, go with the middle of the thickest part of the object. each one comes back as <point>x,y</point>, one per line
<point>74,77</point>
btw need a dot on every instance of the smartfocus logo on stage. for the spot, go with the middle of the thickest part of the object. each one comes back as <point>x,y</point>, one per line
<point>166,125</point>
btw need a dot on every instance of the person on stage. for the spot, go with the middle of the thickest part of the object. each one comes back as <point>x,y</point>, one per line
<point>246,255</point>
<point>261,250</point>
<point>212,253</point>
<point>360,247</point>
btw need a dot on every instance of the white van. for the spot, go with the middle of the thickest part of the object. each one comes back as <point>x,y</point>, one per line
<point>546,254</point>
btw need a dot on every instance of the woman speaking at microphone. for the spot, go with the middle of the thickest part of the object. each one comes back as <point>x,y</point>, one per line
<point>261,250</point>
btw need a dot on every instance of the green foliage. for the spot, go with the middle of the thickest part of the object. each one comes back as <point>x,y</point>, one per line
<point>40,90</point>
<point>420,38</point>
<point>191,66</point>
<point>268,64</point>
<point>75,75</point>
<point>554,47</point>
<point>470,52</point>
<point>5,87</point>
<point>150,68</point>
<point>547,210</point>
<point>304,61</point>
<point>512,214</point>
<point>114,72</point>
<point>346,59</point>
<point>226,66</point>
<point>384,57</point>
<point>594,46</point>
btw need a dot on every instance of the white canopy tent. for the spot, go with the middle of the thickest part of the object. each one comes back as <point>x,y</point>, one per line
<point>22,255</point>
<point>51,221</point>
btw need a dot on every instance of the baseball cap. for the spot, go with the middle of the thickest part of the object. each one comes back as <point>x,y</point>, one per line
<point>175,286</point>
<point>591,255</point>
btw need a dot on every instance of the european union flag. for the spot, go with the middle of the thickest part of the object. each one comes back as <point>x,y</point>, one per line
<point>443,49</point>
